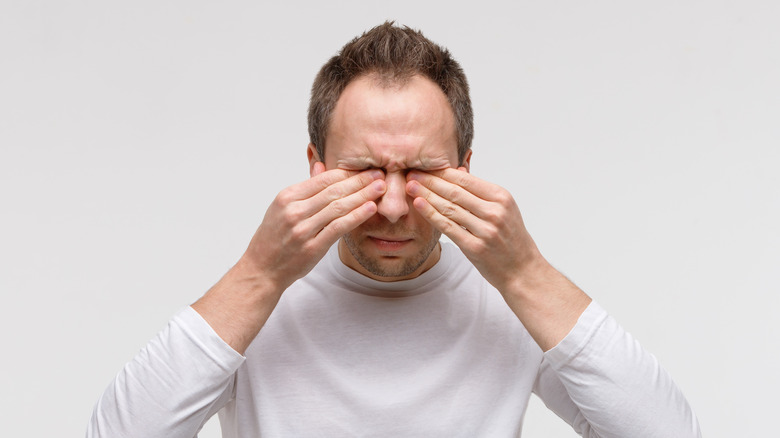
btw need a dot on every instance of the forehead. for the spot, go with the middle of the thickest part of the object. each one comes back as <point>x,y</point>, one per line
<point>407,125</point>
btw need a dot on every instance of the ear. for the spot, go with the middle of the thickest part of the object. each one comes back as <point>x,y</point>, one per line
<point>466,165</point>
<point>316,166</point>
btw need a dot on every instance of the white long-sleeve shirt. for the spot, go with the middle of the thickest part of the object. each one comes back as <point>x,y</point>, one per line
<point>344,355</point>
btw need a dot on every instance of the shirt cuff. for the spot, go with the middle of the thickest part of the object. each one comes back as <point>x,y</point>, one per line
<point>587,326</point>
<point>207,340</point>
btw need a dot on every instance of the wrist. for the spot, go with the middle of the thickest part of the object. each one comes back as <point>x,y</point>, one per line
<point>253,275</point>
<point>546,302</point>
<point>238,305</point>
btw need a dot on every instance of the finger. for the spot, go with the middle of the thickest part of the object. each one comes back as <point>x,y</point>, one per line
<point>344,189</point>
<point>447,208</point>
<point>324,180</point>
<point>343,206</point>
<point>341,225</point>
<point>447,226</point>
<point>447,190</point>
<point>469,182</point>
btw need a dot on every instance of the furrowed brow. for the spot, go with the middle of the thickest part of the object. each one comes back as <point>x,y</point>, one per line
<point>357,162</point>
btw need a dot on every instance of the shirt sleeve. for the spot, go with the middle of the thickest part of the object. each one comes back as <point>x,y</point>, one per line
<point>171,388</point>
<point>604,384</point>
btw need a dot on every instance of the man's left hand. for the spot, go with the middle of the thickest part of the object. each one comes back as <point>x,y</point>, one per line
<point>485,222</point>
<point>481,218</point>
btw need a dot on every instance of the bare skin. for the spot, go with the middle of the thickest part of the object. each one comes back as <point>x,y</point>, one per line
<point>391,219</point>
<point>485,222</point>
<point>300,225</point>
<point>395,129</point>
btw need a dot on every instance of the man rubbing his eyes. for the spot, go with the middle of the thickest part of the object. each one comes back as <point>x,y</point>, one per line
<point>347,317</point>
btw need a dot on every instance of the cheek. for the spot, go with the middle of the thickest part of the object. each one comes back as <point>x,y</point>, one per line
<point>418,222</point>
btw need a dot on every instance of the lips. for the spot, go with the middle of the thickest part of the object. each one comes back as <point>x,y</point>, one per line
<point>384,243</point>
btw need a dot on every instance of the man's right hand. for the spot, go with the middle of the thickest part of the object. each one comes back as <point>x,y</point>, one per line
<point>298,228</point>
<point>306,219</point>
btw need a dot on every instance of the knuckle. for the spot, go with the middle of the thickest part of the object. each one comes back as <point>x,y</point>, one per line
<point>339,227</point>
<point>494,215</point>
<point>284,197</point>
<point>288,220</point>
<point>448,227</point>
<point>331,177</point>
<point>504,198</point>
<point>346,223</point>
<point>298,233</point>
<point>335,227</point>
<point>308,248</point>
<point>338,208</point>
<point>453,193</point>
<point>480,247</point>
<point>449,211</point>
<point>335,192</point>
<point>325,183</point>
<point>367,195</point>
<point>491,232</point>
<point>430,212</point>
<point>462,179</point>
<point>294,214</point>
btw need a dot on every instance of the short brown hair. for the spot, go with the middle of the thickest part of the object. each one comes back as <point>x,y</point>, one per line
<point>394,54</point>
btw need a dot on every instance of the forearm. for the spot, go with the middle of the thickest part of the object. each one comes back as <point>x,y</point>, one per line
<point>239,304</point>
<point>485,222</point>
<point>300,225</point>
<point>171,387</point>
<point>546,302</point>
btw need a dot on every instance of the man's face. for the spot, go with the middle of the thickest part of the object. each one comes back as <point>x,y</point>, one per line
<point>396,129</point>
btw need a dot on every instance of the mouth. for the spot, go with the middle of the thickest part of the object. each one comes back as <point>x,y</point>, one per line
<point>389,244</point>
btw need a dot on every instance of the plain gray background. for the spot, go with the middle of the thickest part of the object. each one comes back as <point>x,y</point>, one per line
<point>141,143</point>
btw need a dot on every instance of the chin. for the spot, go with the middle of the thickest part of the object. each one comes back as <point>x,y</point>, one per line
<point>407,263</point>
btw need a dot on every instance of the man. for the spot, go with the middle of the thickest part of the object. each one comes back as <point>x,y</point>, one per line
<point>346,316</point>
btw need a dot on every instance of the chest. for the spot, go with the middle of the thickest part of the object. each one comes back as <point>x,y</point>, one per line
<point>331,364</point>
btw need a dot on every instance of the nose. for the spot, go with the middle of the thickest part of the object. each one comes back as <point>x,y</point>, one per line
<point>394,204</point>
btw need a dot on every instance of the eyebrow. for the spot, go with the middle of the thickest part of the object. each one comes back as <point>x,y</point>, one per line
<point>361,162</point>
<point>358,162</point>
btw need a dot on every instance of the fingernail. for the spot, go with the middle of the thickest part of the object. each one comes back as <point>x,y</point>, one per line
<point>413,188</point>
<point>377,174</point>
<point>378,186</point>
